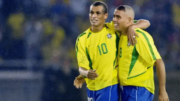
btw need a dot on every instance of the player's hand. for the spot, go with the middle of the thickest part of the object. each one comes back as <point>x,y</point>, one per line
<point>163,96</point>
<point>131,33</point>
<point>92,74</point>
<point>79,81</point>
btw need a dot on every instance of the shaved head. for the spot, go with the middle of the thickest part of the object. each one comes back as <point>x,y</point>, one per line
<point>128,10</point>
<point>123,18</point>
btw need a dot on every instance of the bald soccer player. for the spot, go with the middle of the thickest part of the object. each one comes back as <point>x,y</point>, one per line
<point>136,62</point>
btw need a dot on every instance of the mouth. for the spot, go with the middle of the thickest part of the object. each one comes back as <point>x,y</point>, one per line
<point>115,25</point>
<point>94,21</point>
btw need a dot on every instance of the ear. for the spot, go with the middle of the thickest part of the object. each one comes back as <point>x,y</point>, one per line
<point>105,16</point>
<point>129,19</point>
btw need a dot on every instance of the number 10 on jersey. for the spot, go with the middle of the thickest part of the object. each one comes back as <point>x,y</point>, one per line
<point>102,49</point>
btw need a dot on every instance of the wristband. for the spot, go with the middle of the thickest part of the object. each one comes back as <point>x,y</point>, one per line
<point>84,73</point>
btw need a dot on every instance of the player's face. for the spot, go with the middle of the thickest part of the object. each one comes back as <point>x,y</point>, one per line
<point>96,16</point>
<point>120,20</point>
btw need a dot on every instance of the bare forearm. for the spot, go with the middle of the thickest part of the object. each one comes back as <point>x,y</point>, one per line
<point>143,24</point>
<point>90,74</point>
<point>160,67</point>
<point>163,96</point>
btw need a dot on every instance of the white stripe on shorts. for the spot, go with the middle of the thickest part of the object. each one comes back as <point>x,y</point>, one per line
<point>110,93</point>
<point>136,94</point>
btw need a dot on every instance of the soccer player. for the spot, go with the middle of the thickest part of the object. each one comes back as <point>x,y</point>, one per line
<point>96,50</point>
<point>96,55</point>
<point>136,62</point>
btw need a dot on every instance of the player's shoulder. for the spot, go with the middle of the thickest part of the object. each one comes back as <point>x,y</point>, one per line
<point>109,25</point>
<point>83,35</point>
<point>142,33</point>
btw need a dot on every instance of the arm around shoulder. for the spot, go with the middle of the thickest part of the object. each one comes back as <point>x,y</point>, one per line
<point>142,23</point>
<point>131,33</point>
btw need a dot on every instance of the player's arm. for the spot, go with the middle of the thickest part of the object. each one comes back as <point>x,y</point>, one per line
<point>160,67</point>
<point>142,23</point>
<point>131,33</point>
<point>83,60</point>
<point>90,74</point>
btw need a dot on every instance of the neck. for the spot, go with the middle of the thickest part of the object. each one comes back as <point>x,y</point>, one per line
<point>96,28</point>
<point>124,32</point>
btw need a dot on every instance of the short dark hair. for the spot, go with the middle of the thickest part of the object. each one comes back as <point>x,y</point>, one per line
<point>100,3</point>
<point>127,9</point>
<point>121,7</point>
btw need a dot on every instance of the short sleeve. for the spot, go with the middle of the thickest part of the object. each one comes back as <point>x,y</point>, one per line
<point>81,54</point>
<point>146,48</point>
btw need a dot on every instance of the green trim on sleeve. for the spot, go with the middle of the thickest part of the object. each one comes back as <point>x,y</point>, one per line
<point>135,21</point>
<point>150,47</point>
<point>77,47</point>
<point>133,60</point>
<point>90,61</point>
<point>106,26</point>
<point>78,41</point>
<point>88,35</point>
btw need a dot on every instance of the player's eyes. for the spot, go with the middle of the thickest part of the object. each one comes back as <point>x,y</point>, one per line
<point>118,17</point>
<point>98,13</point>
<point>91,12</point>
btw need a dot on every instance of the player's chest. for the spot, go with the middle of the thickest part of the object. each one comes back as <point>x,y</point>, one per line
<point>125,49</point>
<point>102,44</point>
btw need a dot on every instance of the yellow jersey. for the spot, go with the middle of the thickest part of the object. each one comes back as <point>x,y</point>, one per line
<point>136,62</point>
<point>98,51</point>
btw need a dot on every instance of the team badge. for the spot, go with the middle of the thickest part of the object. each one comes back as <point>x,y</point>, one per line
<point>82,59</point>
<point>109,35</point>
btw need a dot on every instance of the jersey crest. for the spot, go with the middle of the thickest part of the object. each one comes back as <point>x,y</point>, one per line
<point>109,36</point>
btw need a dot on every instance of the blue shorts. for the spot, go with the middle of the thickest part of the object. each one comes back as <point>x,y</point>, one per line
<point>133,93</point>
<point>110,93</point>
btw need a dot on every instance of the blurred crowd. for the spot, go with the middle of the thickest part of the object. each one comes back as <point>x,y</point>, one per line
<point>46,30</point>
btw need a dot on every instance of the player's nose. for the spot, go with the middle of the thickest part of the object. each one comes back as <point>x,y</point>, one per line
<point>94,15</point>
